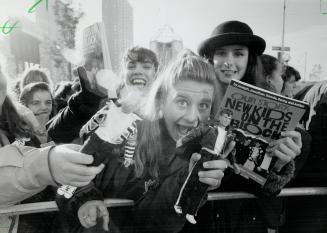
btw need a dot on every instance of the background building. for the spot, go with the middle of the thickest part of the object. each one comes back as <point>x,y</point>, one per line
<point>21,47</point>
<point>166,44</point>
<point>117,16</point>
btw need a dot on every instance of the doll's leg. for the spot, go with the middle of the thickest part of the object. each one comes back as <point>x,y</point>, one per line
<point>199,188</point>
<point>187,190</point>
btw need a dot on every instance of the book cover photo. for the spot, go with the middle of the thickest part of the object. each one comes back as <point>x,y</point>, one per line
<point>259,116</point>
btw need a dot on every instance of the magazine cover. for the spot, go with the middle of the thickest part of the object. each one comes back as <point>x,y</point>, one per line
<point>259,116</point>
<point>95,51</point>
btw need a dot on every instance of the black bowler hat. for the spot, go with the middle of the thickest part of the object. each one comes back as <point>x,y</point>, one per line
<point>232,33</point>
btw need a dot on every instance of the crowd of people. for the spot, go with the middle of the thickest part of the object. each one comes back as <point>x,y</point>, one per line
<point>43,129</point>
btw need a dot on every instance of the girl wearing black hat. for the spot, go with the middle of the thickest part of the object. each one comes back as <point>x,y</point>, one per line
<point>234,51</point>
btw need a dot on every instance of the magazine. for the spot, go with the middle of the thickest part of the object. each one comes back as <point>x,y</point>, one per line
<point>259,116</point>
<point>95,51</point>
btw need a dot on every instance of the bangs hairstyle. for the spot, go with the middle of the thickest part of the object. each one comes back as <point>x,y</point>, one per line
<point>140,54</point>
<point>187,66</point>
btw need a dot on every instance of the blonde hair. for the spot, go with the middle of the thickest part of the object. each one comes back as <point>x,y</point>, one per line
<point>187,66</point>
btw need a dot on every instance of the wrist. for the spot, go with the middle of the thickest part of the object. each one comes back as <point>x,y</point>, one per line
<point>50,164</point>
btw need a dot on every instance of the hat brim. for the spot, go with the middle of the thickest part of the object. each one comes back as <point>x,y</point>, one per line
<point>255,43</point>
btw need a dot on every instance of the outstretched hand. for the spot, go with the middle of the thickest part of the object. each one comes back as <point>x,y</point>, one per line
<point>90,211</point>
<point>68,166</point>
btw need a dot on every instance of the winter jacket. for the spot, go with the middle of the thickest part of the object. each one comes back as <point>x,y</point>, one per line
<point>154,199</point>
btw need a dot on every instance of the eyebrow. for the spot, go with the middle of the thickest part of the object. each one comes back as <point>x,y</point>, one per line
<point>205,99</point>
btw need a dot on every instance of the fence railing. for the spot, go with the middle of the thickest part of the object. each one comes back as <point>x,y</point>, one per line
<point>52,206</point>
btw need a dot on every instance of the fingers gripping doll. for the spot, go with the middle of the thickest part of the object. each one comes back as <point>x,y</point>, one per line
<point>108,129</point>
<point>214,144</point>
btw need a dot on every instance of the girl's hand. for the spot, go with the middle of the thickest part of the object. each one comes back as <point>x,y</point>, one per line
<point>286,148</point>
<point>90,211</point>
<point>213,176</point>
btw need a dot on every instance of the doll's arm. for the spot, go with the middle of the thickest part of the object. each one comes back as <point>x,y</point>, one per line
<point>199,131</point>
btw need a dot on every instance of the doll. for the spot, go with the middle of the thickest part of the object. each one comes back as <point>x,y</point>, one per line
<point>108,129</point>
<point>215,143</point>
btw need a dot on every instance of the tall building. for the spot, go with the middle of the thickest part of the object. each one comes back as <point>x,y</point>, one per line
<point>46,20</point>
<point>117,16</point>
<point>20,54</point>
<point>166,44</point>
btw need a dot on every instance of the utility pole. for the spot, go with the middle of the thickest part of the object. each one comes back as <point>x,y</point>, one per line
<point>305,66</point>
<point>283,32</point>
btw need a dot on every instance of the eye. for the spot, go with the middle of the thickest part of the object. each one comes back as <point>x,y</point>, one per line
<point>147,66</point>
<point>220,53</point>
<point>131,66</point>
<point>49,102</point>
<point>204,106</point>
<point>239,53</point>
<point>182,103</point>
<point>35,102</point>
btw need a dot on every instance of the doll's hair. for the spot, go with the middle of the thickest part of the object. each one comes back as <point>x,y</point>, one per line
<point>226,111</point>
<point>29,90</point>
<point>187,66</point>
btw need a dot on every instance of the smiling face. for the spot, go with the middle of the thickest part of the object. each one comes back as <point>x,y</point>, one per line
<point>230,62</point>
<point>187,103</point>
<point>139,75</point>
<point>41,104</point>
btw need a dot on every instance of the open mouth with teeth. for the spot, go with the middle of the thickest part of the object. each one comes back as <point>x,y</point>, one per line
<point>139,82</point>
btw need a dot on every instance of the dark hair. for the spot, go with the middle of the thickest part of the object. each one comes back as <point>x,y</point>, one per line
<point>141,54</point>
<point>288,72</point>
<point>269,64</point>
<point>226,111</point>
<point>28,91</point>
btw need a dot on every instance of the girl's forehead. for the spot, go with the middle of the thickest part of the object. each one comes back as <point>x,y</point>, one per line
<point>40,94</point>
<point>193,87</point>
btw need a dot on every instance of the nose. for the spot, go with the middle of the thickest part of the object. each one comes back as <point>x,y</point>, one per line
<point>138,68</point>
<point>229,60</point>
<point>192,116</point>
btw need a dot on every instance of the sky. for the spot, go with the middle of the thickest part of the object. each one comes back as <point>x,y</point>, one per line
<point>194,20</point>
